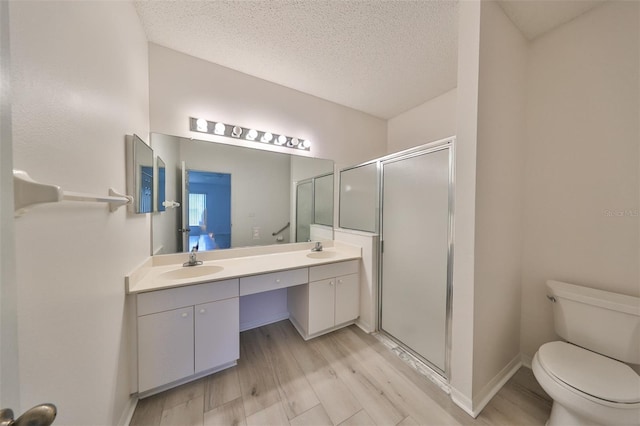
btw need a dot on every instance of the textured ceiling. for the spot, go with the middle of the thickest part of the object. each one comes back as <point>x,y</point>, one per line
<point>378,56</point>
<point>536,17</point>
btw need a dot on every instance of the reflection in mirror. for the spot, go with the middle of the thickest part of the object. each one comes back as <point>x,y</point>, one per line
<point>304,210</point>
<point>140,174</point>
<point>314,205</point>
<point>323,200</point>
<point>161,185</point>
<point>260,187</point>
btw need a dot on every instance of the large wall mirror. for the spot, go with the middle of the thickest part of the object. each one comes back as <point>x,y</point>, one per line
<point>232,196</point>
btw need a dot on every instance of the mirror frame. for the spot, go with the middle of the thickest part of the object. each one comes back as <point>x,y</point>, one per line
<point>139,159</point>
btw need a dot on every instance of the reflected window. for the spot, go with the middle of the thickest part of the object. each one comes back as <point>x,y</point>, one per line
<point>197,209</point>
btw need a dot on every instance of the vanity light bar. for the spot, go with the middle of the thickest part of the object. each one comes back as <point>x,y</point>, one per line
<point>237,132</point>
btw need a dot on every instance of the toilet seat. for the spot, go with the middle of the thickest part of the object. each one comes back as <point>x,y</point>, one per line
<point>590,374</point>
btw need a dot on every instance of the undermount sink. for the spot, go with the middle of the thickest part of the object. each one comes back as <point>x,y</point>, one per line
<point>190,272</point>
<point>321,254</point>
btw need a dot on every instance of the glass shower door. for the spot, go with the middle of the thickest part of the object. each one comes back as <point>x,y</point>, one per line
<point>304,210</point>
<point>415,253</point>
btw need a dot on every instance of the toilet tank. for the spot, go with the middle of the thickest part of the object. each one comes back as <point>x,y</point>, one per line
<point>604,322</point>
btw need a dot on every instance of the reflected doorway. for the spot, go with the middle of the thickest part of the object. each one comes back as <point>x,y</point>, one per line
<point>209,210</point>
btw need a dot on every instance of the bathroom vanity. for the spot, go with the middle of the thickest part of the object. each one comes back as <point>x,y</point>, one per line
<point>187,318</point>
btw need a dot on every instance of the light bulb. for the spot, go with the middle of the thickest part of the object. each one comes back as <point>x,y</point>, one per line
<point>282,139</point>
<point>202,125</point>
<point>294,141</point>
<point>236,132</point>
<point>252,135</point>
<point>305,144</point>
<point>267,137</point>
<point>219,129</point>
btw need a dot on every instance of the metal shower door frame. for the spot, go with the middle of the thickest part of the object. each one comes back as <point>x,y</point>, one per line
<point>445,144</point>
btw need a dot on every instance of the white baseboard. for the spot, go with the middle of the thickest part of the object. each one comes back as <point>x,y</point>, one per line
<point>193,377</point>
<point>127,414</point>
<point>462,401</point>
<point>527,360</point>
<point>494,386</point>
<point>264,321</point>
<point>364,326</point>
<point>474,406</point>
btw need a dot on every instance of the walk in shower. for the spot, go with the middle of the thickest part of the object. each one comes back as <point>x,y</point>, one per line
<point>408,199</point>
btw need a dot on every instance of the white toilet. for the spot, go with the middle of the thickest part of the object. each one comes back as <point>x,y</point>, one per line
<point>588,378</point>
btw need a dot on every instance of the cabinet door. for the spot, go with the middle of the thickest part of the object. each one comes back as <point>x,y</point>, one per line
<point>321,305</point>
<point>165,347</point>
<point>217,334</point>
<point>347,298</point>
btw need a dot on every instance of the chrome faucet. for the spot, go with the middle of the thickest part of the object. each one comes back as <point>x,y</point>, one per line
<point>318,246</point>
<point>193,261</point>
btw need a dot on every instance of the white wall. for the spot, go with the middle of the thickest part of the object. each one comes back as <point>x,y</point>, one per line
<point>182,86</point>
<point>369,242</point>
<point>263,308</point>
<point>9,381</point>
<point>488,203</point>
<point>499,199</point>
<point>465,192</point>
<point>431,121</point>
<point>80,83</point>
<point>581,221</point>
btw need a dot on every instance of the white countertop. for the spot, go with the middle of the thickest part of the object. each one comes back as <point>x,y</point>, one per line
<point>149,276</point>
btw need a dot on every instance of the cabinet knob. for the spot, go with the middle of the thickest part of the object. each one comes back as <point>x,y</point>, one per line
<point>202,311</point>
<point>278,280</point>
<point>184,315</point>
<point>339,281</point>
<point>330,282</point>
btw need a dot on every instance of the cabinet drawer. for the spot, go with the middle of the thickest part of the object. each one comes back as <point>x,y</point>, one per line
<point>332,270</point>
<point>273,281</point>
<point>173,298</point>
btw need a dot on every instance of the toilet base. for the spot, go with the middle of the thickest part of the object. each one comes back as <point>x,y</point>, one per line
<point>560,416</point>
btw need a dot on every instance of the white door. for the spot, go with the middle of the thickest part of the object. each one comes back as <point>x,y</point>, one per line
<point>415,235</point>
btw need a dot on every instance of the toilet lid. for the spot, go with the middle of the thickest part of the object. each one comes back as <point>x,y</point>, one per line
<point>590,373</point>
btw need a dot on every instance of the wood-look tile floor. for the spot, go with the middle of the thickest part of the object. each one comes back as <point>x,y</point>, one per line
<point>343,378</point>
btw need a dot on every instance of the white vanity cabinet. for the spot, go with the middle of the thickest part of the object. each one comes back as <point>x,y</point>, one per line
<point>184,331</point>
<point>217,328</point>
<point>329,301</point>
<point>165,347</point>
